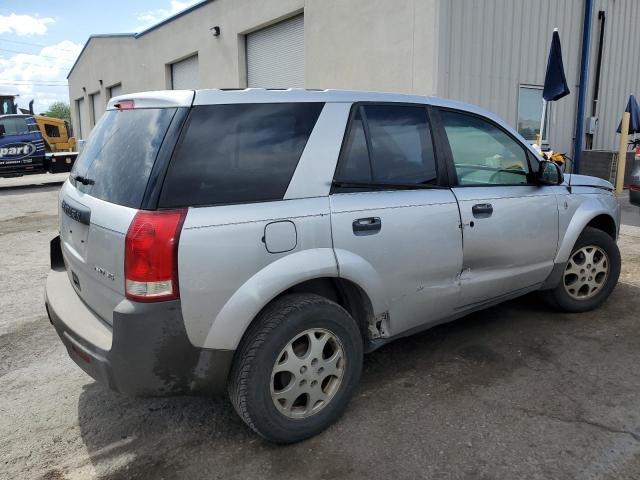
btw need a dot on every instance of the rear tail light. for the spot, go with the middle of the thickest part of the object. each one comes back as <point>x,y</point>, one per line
<point>635,188</point>
<point>151,255</point>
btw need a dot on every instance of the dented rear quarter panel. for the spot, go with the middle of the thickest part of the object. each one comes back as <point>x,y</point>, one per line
<point>226,273</point>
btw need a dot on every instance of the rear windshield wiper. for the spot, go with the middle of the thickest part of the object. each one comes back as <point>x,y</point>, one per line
<point>382,185</point>
<point>83,180</point>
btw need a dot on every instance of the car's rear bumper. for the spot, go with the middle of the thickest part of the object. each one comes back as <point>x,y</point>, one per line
<point>146,352</point>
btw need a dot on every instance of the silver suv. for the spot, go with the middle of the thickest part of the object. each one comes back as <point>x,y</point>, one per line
<point>263,241</point>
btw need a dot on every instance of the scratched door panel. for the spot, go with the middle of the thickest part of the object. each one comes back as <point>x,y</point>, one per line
<point>414,258</point>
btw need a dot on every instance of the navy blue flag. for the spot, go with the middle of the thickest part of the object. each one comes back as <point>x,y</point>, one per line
<point>555,83</point>
<point>634,116</point>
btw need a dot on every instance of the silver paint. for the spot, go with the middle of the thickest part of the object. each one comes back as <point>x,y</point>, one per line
<point>427,264</point>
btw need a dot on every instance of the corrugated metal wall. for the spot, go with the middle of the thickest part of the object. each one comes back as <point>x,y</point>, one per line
<point>490,47</point>
<point>620,75</point>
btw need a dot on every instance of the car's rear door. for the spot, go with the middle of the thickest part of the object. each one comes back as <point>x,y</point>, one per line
<point>510,225</point>
<point>395,224</point>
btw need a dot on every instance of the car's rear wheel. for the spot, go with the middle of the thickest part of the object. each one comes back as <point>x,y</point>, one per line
<point>591,273</point>
<point>296,368</point>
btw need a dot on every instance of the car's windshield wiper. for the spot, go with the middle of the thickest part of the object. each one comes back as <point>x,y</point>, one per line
<point>84,180</point>
<point>381,185</point>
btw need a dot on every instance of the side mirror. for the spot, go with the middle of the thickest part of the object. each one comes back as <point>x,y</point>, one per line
<point>549,173</point>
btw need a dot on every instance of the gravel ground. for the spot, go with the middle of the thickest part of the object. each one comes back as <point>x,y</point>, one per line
<point>516,391</point>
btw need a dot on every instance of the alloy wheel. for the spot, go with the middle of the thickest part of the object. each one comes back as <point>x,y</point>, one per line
<point>307,373</point>
<point>586,272</point>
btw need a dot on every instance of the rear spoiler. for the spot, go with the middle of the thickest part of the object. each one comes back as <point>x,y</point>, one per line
<point>158,99</point>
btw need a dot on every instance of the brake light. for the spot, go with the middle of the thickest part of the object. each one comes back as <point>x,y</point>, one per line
<point>151,255</point>
<point>635,188</point>
<point>125,105</point>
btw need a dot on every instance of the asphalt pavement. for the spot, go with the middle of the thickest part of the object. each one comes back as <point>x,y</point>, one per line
<point>518,391</point>
<point>630,213</point>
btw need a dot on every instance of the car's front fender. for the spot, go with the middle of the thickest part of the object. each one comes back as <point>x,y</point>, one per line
<point>581,210</point>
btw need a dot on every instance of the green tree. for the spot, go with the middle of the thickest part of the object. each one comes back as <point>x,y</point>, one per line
<point>59,110</point>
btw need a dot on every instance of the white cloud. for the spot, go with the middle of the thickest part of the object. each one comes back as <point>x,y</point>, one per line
<point>24,25</point>
<point>39,76</point>
<point>151,17</point>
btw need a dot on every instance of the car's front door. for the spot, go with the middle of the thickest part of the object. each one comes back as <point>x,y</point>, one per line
<point>395,224</point>
<point>510,225</point>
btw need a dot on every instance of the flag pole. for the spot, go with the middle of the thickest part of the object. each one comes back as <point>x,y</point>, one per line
<point>544,112</point>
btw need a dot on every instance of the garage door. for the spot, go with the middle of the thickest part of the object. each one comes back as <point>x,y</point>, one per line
<point>185,74</point>
<point>275,55</point>
<point>115,90</point>
<point>96,108</point>
<point>81,117</point>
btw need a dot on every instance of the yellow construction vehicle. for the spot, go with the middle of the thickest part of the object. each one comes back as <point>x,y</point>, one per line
<point>55,133</point>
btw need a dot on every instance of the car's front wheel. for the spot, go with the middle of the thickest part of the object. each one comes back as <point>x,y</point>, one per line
<point>296,368</point>
<point>591,273</point>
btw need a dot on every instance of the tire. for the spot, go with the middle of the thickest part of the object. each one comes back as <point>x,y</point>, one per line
<point>254,387</point>
<point>573,297</point>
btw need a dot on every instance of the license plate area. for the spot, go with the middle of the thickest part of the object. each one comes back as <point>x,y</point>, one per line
<point>74,226</point>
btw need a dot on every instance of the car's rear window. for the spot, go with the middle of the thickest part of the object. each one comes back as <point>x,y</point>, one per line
<point>238,153</point>
<point>120,153</point>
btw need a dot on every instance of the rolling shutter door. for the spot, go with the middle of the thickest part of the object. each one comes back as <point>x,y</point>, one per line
<point>115,91</point>
<point>96,107</point>
<point>185,74</point>
<point>275,55</point>
<point>82,119</point>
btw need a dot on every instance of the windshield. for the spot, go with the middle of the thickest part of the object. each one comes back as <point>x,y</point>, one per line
<point>119,154</point>
<point>14,126</point>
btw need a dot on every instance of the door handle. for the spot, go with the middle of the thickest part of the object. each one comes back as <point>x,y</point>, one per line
<point>482,210</point>
<point>367,226</point>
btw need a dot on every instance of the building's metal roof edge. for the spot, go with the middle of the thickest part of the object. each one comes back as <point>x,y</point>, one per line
<point>173,17</point>
<point>139,34</point>
<point>91,37</point>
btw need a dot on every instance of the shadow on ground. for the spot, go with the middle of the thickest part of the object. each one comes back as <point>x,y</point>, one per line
<point>418,392</point>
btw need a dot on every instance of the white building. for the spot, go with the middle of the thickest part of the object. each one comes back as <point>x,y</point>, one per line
<point>491,53</point>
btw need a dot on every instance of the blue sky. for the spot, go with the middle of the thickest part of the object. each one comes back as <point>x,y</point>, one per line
<point>40,39</point>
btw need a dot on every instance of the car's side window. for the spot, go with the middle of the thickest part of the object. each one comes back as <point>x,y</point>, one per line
<point>483,154</point>
<point>355,165</point>
<point>388,144</point>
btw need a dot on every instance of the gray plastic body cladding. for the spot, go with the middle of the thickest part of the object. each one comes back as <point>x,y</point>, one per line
<point>149,354</point>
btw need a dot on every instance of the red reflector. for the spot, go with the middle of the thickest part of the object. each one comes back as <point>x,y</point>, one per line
<point>125,105</point>
<point>635,188</point>
<point>151,255</point>
<point>81,354</point>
